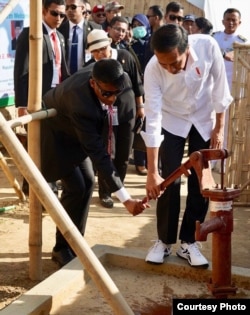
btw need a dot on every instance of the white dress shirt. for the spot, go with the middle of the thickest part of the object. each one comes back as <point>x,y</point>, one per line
<point>175,102</point>
<point>56,71</point>
<point>226,42</point>
<point>80,54</point>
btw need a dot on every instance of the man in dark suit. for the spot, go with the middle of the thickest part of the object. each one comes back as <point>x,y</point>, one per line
<point>75,10</point>
<point>78,135</point>
<point>52,73</point>
<point>99,46</point>
<point>53,14</point>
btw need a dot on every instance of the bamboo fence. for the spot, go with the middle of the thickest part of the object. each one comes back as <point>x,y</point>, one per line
<point>238,164</point>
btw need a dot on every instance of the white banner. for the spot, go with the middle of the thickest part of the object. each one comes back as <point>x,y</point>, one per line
<point>9,31</point>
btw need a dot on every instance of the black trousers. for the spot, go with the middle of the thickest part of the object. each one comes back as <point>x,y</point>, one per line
<point>77,191</point>
<point>168,205</point>
<point>122,140</point>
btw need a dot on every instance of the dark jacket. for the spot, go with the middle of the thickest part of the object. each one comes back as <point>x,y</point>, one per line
<point>139,46</point>
<point>130,66</point>
<point>77,131</point>
<point>21,66</point>
<point>88,26</point>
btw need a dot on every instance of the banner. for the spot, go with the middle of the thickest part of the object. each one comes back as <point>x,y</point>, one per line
<point>9,32</point>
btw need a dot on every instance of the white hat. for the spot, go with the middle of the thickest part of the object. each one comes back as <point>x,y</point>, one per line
<point>97,39</point>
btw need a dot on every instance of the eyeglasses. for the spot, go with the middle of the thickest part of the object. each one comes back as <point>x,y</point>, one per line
<point>72,7</point>
<point>87,12</point>
<point>120,30</point>
<point>101,14</point>
<point>55,14</point>
<point>107,94</point>
<point>97,51</point>
<point>173,17</point>
<point>149,16</point>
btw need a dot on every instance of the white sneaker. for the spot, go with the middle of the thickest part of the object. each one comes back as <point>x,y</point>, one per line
<point>157,253</point>
<point>193,255</point>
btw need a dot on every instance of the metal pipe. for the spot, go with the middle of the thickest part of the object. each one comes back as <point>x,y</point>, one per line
<point>22,120</point>
<point>221,227</point>
<point>212,225</point>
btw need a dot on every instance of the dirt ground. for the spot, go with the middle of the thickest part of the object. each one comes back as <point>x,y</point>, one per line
<point>114,227</point>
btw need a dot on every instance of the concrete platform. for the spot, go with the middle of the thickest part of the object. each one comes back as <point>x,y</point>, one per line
<point>48,296</point>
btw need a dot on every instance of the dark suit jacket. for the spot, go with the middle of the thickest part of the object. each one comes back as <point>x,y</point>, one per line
<point>77,131</point>
<point>88,26</point>
<point>21,66</point>
<point>126,106</point>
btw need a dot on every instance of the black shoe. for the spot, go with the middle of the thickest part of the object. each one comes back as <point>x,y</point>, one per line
<point>107,201</point>
<point>131,161</point>
<point>63,256</point>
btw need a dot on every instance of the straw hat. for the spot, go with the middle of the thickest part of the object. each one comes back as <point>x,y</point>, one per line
<point>97,39</point>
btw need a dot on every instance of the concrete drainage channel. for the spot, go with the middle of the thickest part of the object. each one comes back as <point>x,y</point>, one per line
<point>148,289</point>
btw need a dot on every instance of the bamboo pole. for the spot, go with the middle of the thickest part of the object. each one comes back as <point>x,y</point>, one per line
<point>11,178</point>
<point>51,203</point>
<point>19,121</point>
<point>34,105</point>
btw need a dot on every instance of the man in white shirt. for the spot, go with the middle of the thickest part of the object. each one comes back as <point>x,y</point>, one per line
<point>226,39</point>
<point>186,95</point>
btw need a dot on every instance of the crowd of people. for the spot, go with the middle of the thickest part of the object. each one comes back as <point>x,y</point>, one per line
<point>148,85</point>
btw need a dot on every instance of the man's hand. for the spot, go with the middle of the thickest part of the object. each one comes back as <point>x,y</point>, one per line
<point>229,56</point>
<point>22,111</point>
<point>153,187</point>
<point>217,135</point>
<point>136,206</point>
<point>217,138</point>
<point>140,112</point>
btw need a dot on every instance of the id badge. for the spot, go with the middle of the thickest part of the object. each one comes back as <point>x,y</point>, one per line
<point>115,121</point>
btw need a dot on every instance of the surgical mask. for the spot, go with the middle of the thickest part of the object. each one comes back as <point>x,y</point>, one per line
<point>139,32</point>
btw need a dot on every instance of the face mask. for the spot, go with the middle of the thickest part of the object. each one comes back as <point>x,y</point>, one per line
<point>139,32</point>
